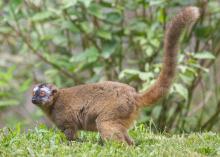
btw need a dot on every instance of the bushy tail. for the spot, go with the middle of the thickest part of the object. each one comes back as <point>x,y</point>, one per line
<point>173,32</point>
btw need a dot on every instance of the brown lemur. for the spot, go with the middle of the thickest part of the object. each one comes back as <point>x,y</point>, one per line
<point>111,107</point>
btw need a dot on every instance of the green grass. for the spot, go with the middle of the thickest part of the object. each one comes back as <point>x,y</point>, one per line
<point>41,141</point>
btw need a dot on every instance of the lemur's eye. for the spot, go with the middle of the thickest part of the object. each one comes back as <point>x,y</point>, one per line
<point>33,93</point>
<point>42,93</point>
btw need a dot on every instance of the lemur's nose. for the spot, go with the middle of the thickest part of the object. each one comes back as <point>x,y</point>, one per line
<point>34,101</point>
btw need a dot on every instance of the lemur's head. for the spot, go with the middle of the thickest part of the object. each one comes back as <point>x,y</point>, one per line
<point>44,94</point>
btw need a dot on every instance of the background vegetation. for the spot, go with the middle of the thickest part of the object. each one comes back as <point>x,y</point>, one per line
<point>73,42</point>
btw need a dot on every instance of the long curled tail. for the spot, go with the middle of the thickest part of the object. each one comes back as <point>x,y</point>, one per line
<point>171,43</point>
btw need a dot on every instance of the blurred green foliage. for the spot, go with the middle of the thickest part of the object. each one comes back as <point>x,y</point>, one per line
<point>74,42</point>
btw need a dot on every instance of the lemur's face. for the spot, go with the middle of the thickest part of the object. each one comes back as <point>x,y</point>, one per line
<point>43,95</point>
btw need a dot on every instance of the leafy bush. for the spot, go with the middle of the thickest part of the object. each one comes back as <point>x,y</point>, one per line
<point>74,42</point>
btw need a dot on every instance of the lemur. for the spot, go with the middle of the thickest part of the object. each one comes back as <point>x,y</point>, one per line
<point>111,107</point>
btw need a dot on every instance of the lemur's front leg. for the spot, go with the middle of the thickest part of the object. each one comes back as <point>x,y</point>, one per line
<point>70,134</point>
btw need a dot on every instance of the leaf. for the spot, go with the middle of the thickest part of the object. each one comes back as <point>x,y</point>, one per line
<point>42,16</point>
<point>104,34</point>
<point>68,3</point>
<point>96,10</point>
<point>146,76</point>
<point>114,17</point>
<point>86,27</point>
<point>131,5</point>
<point>161,15</point>
<point>203,32</point>
<point>51,72</point>
<point>106,4</point>
<point>186,78</point>
<point>109,48</point>
<point>89,56</point>
<point>46,37</point>
<point>213,7</point>
<point>61,40</point>
<point>5,30</point>
<point>131,72</point>
<point>5,77</point>
<point>4,103</point>
<point>204,55</point>
<point>184,69</point>
<point>25,85</point>
<point>86,3</point>
<point>15,3</point>
<point>137,26</point>
<point>92,54</point>
<point>70,26</point>
<point>149,51</point>
<point>200,67</point>
<point>156,2</point>
<point>179,88</point>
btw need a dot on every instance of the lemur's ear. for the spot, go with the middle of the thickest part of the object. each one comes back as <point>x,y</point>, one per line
<point>53,88</point>
<point>54,91</point>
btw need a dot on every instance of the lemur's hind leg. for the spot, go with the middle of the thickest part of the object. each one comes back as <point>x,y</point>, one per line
<point>111,130</point>
<point>128,139</point>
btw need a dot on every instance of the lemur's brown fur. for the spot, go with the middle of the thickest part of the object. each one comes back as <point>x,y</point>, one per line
<point>111,107</point>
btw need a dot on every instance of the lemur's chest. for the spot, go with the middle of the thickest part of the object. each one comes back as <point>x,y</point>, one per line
<point>81,116</point>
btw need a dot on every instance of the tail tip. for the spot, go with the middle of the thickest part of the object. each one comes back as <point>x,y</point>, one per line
<point>195,12</point>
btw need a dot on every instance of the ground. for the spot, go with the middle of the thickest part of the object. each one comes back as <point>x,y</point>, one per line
<point>41,141</point>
